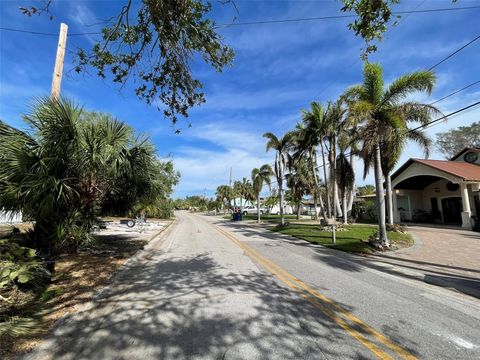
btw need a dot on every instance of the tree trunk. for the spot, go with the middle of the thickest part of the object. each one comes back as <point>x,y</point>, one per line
<point>335,200</point>
<point>388,185</point>
<point>338,206</point>
<point>258,207</point>
<point>351,194</point>
<point>324,160</point>
<point>314,169</point>
<point>280,189</point>
<point>322,208</point>
<point>345,210</point>
<point>380,198</point>
<point>299,209</point>
<point>315,203</point>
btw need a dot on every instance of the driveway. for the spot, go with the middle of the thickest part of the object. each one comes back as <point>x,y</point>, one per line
<point>445,256</point>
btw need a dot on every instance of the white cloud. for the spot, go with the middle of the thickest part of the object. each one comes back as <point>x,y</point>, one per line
<point>241,150</point>
<point>81,15</point>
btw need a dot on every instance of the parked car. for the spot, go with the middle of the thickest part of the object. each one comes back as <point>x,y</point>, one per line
<point>288,210</point>
<point>253,210</point>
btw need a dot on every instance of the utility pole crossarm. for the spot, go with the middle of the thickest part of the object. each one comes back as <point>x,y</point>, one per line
<point>58,70</point>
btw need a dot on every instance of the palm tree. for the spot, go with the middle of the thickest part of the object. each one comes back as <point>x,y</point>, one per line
<point>61,169</point>
<point>224,194</point>
<point>377,110</point>
<point>315,135</point>
<point>345,174</point>
<point>281,147</point>
<point>259,177</point>
<point>391,150</point>
<point>237,192</point>
<point>298,181</point>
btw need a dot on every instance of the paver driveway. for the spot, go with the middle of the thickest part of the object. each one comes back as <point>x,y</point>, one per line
<point>443,253</point>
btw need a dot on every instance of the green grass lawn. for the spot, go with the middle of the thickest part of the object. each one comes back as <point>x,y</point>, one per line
<point>352,240</point>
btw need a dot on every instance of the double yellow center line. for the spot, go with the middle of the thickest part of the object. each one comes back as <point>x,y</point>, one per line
<point>342,317</point>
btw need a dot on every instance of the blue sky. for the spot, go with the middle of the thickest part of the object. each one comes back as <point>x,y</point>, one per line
<point>278,70</point>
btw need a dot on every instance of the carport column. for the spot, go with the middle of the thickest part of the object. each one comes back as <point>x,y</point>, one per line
<point>466,213</point>
<point>396,213</point>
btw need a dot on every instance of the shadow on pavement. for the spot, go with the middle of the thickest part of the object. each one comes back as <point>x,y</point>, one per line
<point>181,307</point>
<point>357,263</point>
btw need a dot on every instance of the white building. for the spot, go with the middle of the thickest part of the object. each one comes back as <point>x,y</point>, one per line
<point>8,217</point>
<point>446,190</point>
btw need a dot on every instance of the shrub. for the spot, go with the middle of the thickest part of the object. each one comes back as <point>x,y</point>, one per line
<point>20,267</point>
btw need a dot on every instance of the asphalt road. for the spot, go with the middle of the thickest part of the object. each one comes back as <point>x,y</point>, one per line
<point>218,290</point>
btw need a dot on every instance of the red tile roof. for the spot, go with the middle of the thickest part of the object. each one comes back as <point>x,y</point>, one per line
<point>466,171</point>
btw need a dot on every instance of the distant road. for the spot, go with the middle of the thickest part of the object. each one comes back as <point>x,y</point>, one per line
<point>218,290</point>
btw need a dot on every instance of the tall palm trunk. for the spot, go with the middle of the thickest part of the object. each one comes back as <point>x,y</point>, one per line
<point>258,208</point>
<point>380,197</point>
<point>315,203</point>
<point>325,178</point>
<point>335,200</point>
<point>351,194</point>
<point>280,189</point>
<point>315,191</point>
<point>315,179</point>
<point>388,185</point>
<point>299,209</point>
<point>338,206</point>
<point>345,210</point>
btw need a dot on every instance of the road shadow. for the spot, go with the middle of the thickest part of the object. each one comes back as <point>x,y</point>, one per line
<point>190,307</point>
<point>357,263</point>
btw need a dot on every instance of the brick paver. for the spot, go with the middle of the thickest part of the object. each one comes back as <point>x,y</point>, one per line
<point>443,250</point>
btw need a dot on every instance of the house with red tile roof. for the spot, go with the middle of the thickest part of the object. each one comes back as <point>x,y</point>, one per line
<point>439,191</point>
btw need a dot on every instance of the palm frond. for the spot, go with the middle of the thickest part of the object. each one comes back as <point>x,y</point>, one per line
<point>422,81</point>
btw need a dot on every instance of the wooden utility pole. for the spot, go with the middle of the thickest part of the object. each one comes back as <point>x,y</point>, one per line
<point>58,70</point>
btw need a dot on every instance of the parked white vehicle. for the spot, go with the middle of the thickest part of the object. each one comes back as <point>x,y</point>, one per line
<point>288,210</point>
<point>251,210</point>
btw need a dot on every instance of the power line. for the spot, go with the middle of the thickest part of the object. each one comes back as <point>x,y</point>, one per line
<point>330,17</point>
<point>424,126</point>
<point>455,52</point>
<point>317,18</point>
<point>45,33</point>
<point>456,92</point>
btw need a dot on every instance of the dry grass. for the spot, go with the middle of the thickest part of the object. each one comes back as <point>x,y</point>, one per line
<point>77,278</point>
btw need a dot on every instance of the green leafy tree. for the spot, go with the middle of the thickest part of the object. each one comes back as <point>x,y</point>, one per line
<point>377,110</point>
<point>312,136</point>
<point>373,19</point>
<point>224,195</point>
<point>260,177</point>
<point>452,142</point>
<point>298,180</point>
<point>366,190</point>
<point>59,171</point>
<point>153,43</point>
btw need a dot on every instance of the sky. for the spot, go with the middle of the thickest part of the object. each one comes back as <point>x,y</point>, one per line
<point>278,70</point>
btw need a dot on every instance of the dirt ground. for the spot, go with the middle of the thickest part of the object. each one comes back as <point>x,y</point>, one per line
<point>79,276</point>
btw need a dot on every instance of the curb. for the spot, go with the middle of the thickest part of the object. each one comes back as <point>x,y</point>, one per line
<point>374,265</point>
<point>47,342</point>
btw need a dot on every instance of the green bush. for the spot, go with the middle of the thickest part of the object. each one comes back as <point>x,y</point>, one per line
<point>19,266</point>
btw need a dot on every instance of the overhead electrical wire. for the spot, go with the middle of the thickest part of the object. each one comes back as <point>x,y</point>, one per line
<point>455,52</point>
<point>424,126</point>
<point>260,22</point>
<point>331,17</point>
